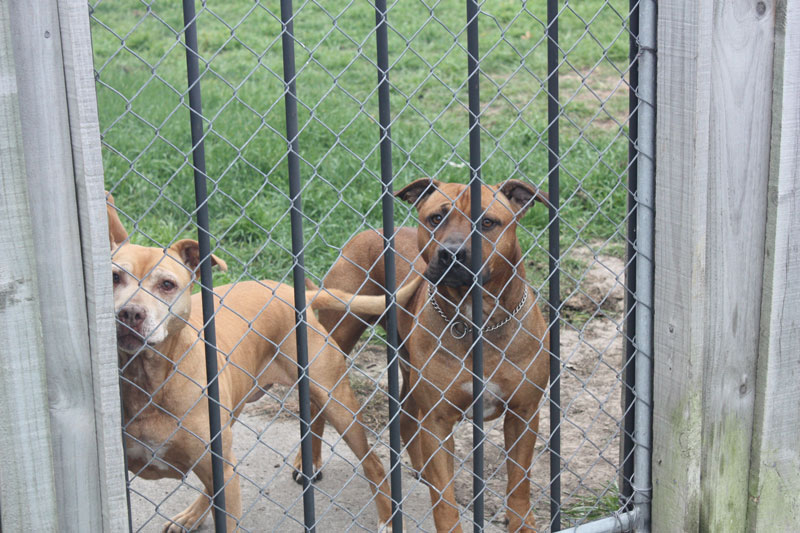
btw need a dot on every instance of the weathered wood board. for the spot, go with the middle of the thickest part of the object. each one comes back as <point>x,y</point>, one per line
<point>27,490</point>
<point>714,120</point>
<point>775,466</point>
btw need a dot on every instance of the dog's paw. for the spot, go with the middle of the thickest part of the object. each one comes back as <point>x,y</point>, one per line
<point>297,476</point>
<point>387,527</point>
<point>172,527</point>
<point>187,520</point>
<point>176,527</point>
<point>515,525</point>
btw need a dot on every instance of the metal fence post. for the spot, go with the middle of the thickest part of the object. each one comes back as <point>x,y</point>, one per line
<point>629,388</point>
<point>476,263</point>
<point>554,229</point>
<point>645,221</point>
<point>206,276</point>
<point>387,206</point>
<point>298,271</point>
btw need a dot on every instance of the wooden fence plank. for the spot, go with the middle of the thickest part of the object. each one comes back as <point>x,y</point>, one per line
<point>27,490</point>
<point>88,169</point>
<point>739,148</point>
<point>714,108</point>
<point>775,465</point>
<point>682,110</point>
<point>79,475</point>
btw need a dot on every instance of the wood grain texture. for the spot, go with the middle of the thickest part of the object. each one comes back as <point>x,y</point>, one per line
<point>682,110</point>
<point>714,117</point>
<point>739,151</point>
<point>27,490</point>
<point>88,170</point>
<point>775,465</point>
<point>57,243</point>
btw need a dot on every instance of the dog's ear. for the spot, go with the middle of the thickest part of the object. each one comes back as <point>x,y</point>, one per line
<point>116,231</point>
<point>416,190</point>
<point>521,195</point>
<point>189,252</point>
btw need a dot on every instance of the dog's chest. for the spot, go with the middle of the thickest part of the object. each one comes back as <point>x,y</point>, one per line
<point>494,400</point>
<point>447,367</point>
<point>142,377</point>
<point>148,456</point>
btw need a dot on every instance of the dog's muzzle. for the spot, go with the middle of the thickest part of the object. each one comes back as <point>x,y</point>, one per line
<point>449,267</point>
<point>130,320</point>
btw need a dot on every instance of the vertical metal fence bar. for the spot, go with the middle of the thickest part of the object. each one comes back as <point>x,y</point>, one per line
<point>387,206</point>
<point>476,261</point>
<point>206,280</point>
<point>125,461</point>
<point>645,219</point>
<point>554,252</point>
<point>628,405</point>
<point>298,271</point>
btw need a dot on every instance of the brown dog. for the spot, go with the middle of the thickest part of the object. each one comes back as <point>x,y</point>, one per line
<point>161,354</point>
<point>435,336</point>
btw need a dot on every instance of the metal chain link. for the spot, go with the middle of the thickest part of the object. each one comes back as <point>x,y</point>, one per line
<point>144,121</point>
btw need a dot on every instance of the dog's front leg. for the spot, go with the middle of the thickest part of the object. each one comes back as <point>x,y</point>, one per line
<point>317,429</point>
<point>190,518</point>
<point>436,443</point>
<point>520,429</point>
<point>410,427</point>
<point>194,515</point>
<point>332,393</point>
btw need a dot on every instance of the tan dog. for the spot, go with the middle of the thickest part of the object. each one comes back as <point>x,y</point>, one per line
<point>436,339</point>
<point>162,359</point>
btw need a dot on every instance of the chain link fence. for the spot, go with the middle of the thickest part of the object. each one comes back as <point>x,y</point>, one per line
<point>264,105</point>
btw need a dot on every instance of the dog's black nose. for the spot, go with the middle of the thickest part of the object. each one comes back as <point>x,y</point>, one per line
<point>447,255</point>
<point>449,264</point>
<point>132,315</point>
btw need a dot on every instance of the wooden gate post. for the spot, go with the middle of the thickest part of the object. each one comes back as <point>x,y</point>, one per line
<point>58,130</point>
<point>727,280</point>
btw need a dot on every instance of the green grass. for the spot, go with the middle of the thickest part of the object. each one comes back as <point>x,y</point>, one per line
<point>145,124</point>
<point>585,508</point>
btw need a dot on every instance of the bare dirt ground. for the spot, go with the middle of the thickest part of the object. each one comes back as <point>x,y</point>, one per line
<point>591,382</point>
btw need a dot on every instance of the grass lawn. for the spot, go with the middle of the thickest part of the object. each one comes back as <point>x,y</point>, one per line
<point>145,122</point>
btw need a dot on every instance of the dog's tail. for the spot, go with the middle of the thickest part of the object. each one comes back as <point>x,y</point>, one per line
<point>338,300</point>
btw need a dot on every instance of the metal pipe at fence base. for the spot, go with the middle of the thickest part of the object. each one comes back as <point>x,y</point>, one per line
<point>620,523</point>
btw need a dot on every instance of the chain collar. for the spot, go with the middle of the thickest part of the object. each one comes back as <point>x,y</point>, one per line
<point>458,328</point>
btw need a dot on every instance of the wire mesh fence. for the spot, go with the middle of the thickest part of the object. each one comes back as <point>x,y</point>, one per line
<point>504,127</point>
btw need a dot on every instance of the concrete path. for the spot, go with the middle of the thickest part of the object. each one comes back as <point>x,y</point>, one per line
<point>272,501</point>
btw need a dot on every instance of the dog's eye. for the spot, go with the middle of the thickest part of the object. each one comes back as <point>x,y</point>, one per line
<point>488,223</point>
<point>116,277</point>
<point>436,219</point>
<point>167,285</point>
